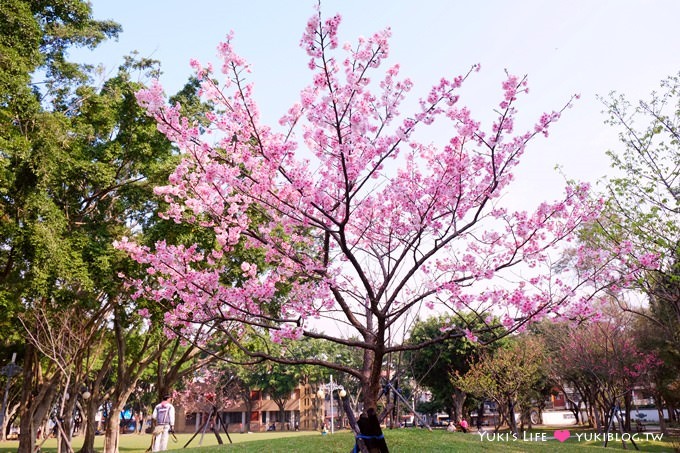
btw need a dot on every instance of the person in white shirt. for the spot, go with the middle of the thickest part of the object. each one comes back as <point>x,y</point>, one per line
<point>164,423</point>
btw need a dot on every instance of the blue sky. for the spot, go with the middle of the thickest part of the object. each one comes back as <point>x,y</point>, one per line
<point>578,46</point>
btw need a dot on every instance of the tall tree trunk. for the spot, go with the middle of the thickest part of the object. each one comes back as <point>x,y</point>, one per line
<point>576,409</point>
<point>90,426</point>
<point>598,419</point>
<point>10,417</point>
<point>91,405</point>
<point>36,399</point>
<point>118,402</point>
<point>458,398</point>
<point>662,420</point>
<point>249,414</point>
<point>628,403</point>
<point>512,422</point>
<point>28,430</point>
<point>65,437</point>
<point>353,425</point>
<point>370,382</point>
<point>67,416</point>
<point>112,432</point>
<point>672,416</point>
<point>480,416</point>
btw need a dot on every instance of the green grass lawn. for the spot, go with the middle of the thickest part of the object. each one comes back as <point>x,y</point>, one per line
<point>402,440</point>
<point>138,443</point>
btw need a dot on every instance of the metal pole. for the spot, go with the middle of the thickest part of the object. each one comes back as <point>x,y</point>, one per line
<point>9,372</point>
<point>331,404</point>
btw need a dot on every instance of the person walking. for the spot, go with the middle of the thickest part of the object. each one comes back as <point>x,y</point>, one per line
<point>164,423</point>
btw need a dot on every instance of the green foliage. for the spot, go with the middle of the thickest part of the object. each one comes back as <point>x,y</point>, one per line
<point>431,364</point>
<point>78,162</point>
<point>45,249</point>
<point>644,197</point>
<point>431,407</point>
<point>643,211</point>
<point>514,376</point>
<point>276,380</point>
<point>36,35</point>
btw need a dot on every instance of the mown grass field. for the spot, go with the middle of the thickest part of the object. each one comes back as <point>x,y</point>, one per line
<point>403,440</point>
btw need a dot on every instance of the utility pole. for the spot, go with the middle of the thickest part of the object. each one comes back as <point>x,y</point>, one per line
<point>331,404</point>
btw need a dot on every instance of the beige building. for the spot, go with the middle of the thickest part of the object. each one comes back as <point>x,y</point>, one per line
<point>303,410</point>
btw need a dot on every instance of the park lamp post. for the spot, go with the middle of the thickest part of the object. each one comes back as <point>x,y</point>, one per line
<point>330,388</point>
<point>10,370</point>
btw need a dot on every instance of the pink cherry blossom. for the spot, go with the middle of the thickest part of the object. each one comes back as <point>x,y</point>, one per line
<point>357,211</point>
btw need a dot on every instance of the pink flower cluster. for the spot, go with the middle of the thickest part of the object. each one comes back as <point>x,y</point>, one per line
<point>349,210</point>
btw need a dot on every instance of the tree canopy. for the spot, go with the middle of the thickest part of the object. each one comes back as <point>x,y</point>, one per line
<point>356,216</point>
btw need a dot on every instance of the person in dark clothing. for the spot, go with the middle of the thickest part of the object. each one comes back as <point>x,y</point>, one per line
<point>371,433</point>
<point>362,423</point>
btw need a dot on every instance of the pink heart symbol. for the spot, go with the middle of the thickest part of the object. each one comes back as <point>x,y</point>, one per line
<point>562,434</point>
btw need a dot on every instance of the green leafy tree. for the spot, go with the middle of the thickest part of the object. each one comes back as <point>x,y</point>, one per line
<point>643,216</point>
<point>317,374</point>
<point>443,358</point>
<point>78,162</point>
<point>512,376</point>
<point>43,258</point>
<point>278,381</point>
<point>140,338</point>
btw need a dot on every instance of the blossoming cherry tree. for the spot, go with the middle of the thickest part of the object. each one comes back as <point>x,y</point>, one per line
<point>352,213</point>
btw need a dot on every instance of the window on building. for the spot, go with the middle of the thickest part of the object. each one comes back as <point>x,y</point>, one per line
<point>233,417</point>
